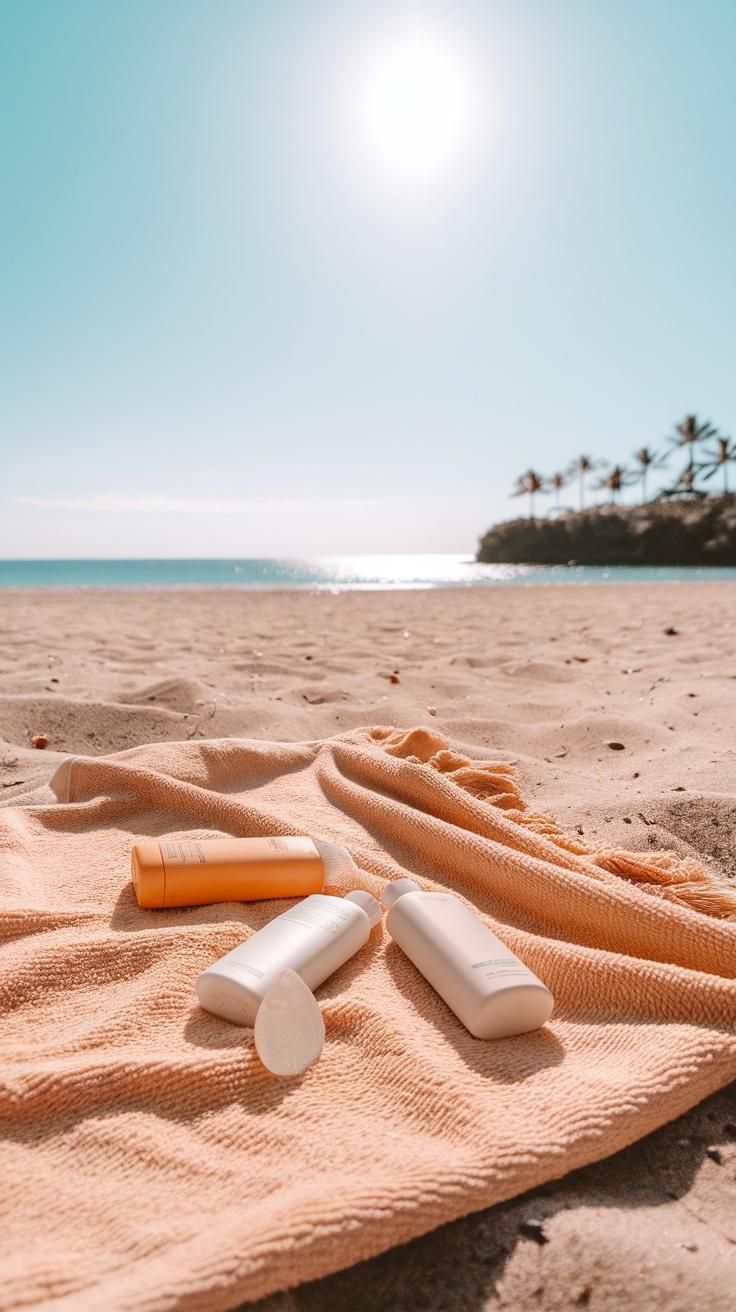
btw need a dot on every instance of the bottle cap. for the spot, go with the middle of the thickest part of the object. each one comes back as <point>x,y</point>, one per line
<point>392,892</point>
<point>147,873</point>
<point>369,904</point>
<point>336,860</point>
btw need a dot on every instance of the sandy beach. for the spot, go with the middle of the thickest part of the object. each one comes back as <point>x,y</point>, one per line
<point>617,703</point>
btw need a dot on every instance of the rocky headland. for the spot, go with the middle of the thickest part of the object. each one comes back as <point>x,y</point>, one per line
<point>675,531</point>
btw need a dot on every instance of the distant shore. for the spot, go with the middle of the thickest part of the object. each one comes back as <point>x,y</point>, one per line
<point>677,531</point>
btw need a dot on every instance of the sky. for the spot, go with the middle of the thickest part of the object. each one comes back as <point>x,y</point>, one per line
<point>242,313</point>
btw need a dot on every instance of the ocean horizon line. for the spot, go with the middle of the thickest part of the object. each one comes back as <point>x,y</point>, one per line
<point>367,572</point>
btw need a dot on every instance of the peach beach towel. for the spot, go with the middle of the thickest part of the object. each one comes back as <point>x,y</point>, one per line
<point>148,1159</point>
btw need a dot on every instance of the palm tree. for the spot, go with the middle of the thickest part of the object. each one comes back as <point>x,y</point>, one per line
<point>529,483</point>
<point>555,484</point>
<point>616,479</point>
<point>684,485</point>
<point>688,434</point>
<point>647,460</point>
<point>580,468</point>
<point>720,458</point>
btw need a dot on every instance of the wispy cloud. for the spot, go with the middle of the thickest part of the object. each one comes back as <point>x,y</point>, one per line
<point>162,505</point>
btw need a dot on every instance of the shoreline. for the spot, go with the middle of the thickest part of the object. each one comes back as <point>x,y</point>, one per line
<point>311,589</point>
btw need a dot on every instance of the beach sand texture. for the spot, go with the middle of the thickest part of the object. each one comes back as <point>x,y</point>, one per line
<point>544,677</point>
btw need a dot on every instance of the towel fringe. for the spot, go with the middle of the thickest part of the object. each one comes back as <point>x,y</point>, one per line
<point>662,874</point>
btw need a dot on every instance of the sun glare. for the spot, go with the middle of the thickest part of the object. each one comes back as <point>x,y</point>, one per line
<point>415,109</point>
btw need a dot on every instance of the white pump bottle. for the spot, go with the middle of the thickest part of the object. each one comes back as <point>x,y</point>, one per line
<point>489,989</point>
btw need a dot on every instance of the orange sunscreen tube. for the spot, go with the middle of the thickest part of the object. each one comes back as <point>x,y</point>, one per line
<point>187,872</point>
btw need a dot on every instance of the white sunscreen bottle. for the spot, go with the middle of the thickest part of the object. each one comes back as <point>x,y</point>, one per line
<point>313,939</point>
<point>493,993</point>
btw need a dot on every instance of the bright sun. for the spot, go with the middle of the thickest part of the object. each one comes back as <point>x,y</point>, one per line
<point>415,109</point>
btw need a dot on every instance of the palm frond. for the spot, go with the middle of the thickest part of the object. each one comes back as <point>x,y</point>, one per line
<point>688,432</point>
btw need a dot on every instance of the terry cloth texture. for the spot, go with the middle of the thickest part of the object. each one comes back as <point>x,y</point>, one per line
<point>149,1161</point>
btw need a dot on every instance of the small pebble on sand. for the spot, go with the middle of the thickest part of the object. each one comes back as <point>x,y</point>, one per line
<point>40,741</point>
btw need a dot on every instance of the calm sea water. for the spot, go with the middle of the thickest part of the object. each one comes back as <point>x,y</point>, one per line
<point>335,573</point>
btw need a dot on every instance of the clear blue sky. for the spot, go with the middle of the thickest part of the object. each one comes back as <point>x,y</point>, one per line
<point>227,329</point>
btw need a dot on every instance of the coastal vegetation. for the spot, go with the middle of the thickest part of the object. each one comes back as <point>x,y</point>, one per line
<point>693,531</point>
<point>683,524</point>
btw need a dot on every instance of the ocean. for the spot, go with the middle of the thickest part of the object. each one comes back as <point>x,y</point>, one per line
<point>332,574</point>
